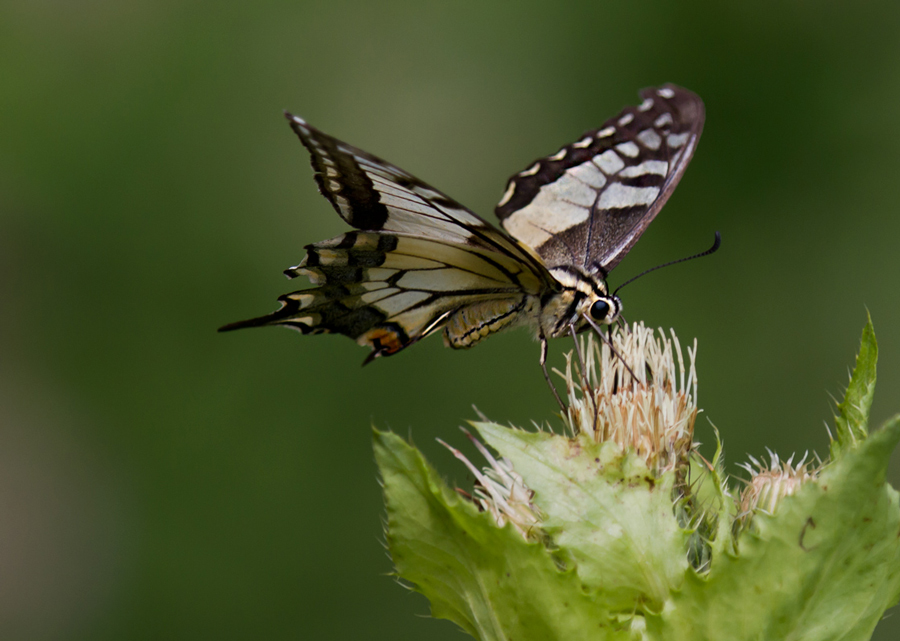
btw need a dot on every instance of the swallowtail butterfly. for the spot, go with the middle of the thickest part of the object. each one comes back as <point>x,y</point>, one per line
<point>418,262</point>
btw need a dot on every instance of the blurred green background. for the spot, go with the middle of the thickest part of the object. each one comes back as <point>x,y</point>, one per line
<point>159,480</point>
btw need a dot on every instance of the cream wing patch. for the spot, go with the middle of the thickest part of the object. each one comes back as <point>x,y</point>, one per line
<point>559,205</point>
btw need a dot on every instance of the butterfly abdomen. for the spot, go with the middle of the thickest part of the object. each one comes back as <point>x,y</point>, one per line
<point>475,322</point>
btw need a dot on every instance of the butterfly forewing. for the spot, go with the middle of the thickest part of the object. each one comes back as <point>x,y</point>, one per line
<point>587,204</point>
<point>374,195</point>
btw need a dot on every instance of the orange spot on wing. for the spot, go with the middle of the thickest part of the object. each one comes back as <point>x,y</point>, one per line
<point>384,340</point>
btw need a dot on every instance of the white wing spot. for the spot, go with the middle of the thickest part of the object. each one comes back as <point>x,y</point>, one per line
<point>507,194</point>
<point>609,162</point>
<point>304,300</point>
<point>619,196</point>
<point>531,171</point>
<point>334,185</point>
<point>665,92</point>
<point>589,174</point>
<point>315,278</point>
<point>646,105</point>
<point>380,273</point>
<point>649,138</point>
<point>520,226</point>
<point>298,120</point>
<point>567,189</point>
<point>559,155</point>
<point>607,131</point>
<point>663,120</point>
<point>400,302</point>
<point>584,142</point>
<point>629,149</point>
<point>676,140</point>
<point>447,279</point>
<point>624,120</point>
<point>659,167</point>
<point>374,296</point>
<point>397,261</point>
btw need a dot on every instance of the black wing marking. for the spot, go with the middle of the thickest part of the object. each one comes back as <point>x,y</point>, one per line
<point>388,291</point>
<point>371,194</point>
<point>588,204</point>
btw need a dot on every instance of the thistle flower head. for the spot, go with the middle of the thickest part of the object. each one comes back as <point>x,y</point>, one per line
<point>641,396</point>
<point>770,483</point>
<point>500,491</point>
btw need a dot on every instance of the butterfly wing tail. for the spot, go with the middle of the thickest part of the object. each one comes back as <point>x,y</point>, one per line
<point>253,322</point>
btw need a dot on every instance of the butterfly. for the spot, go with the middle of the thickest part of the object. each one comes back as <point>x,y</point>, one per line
<point>419,262</point>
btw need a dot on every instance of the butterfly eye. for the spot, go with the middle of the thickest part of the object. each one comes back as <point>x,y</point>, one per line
<point>599,310</point>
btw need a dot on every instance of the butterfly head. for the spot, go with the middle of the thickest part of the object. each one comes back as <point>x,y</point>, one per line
<point>583,301</point>
<point>597,310</point>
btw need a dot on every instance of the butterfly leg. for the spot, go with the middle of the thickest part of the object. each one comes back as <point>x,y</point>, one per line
<point>562,405</point>
<point>588,388</point>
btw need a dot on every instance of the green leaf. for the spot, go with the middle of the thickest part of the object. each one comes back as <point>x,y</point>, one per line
<point>612,520</point>
<point>488,580</point>
<point>824,567</point>
<point>853,413</point>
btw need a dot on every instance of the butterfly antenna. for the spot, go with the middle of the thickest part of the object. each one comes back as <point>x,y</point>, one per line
<point>716,243</point>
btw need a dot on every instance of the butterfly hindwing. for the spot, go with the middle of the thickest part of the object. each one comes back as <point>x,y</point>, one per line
<point>387,291</point>
<point>588,204</point>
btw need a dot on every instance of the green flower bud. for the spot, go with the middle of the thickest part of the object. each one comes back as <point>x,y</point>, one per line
<point>769,484</point>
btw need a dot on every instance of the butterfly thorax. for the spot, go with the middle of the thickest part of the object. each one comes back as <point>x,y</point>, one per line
<point>583,299</point>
